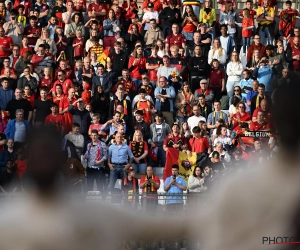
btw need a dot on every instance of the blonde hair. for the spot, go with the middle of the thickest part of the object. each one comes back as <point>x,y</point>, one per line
<point>135,134</point>
<point>220,50</point>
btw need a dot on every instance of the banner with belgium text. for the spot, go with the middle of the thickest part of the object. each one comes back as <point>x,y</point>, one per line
<point>186,164</point>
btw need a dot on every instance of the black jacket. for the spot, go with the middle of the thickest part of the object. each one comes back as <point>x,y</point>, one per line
<point>106,83</point>
<point>119,62</point>
<point>198,66</point>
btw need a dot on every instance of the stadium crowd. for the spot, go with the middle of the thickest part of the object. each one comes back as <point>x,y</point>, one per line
<point>121,89</point>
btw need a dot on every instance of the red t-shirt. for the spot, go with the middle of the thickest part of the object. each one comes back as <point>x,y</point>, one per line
<point>255,126</point>
<point>21,168</point>
<point>238,117</point>
<point>55,121</point>
<point>79,5</point>
<point>46,83</point>
<point>198,145</point>
<point>66,84</point>
<point>247,22</point>
<point>30,30</point>
<point>296,63</point>
<point>79,49</point>
<point>23,50</point>
<point>268,114</point>
<point>140,65</point>
<point>6,42</point>
<point>177,40</point>
<point>215,78</point>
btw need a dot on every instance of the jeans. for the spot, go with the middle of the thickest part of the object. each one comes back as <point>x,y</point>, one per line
<point>137,82</point>
<point>118,172</point>
<point>263,32</point>
<point>182,119</point>
<point>98,175</point>
<point>230,86</point>
<point>139,168</point>
<point>246,43</point>
<point>188,35</point>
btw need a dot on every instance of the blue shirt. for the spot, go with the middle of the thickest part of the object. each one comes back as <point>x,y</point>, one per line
<point>251,94</point>
<point>265,76</point>
<point>112,129</point>
<point>175,190</point>
<point>119,153</point>
<point>246,86</point>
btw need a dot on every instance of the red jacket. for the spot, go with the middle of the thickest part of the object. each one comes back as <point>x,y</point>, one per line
<point>135,70</point>
<point>252,47</point>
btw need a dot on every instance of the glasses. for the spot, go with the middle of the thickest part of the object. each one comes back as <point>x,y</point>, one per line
<point>236,90</point>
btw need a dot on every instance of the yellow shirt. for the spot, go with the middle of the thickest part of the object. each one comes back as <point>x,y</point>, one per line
<point>270,13</point>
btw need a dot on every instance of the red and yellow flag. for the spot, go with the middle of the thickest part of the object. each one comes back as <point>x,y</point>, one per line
<point>186,164</point>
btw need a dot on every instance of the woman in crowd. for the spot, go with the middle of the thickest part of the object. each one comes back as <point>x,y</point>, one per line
<point>111,27</point>
<point>240,119</point>
<point>184,102</point>
<point>60,40</point>
<point>195,184</point>
<point>94,34</point>
<point>58,94</point>
<point>161,48</point>
<point>45,38</point>
<point>254,61</point>
<point>234,71</point>
<point>139,149</point>
<point>219,157</point>
<point>94,62</point>
<point>189,24</point>
<point>100,104</point>
<point>137,66</point>
<point>185,130</point>
<point>233,108</point>
<point>132,37</point>
<point>228,17</point>
<point>217,52</point>
<point>209,18</point>
<point>76,24</point>
<point>222,137</point>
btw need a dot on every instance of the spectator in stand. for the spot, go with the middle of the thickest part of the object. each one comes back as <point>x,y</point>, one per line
<point>137,66</point>
<point>206,39</point>
<point>199,143</point>
<point>76,138</point>
<point>161,48</point>
<point>265,107</point>
<point>139,148</point>
<point>164,96</point>
<point>194,119</point>
<point>189,24</point>
<point>113,124</point>
<point>22,62</point>
<point>45,39</point>
<point>152,34</point>
<point>82,117</point>
<point>6,44</point>
<point>111,29</point>
<point>183,103</point>
<point>237,93</point>
<point>234,71</point>
<point>119,59</point>
<point>175,139</point>
<point>217,52</point>
<point>204,90</point>
<point>190,48</point>
<point>264,73</point>
<point>293,56</point>
<point>149,184</point>
<point>14,57</point>
<point>42,108</point>
<point>174,184</point>
<point>6,93</point>
<point>55,120</point>
<point>171,15</point>
<point>205,109</point>
<point>198,67</point>
<point>249,6</point>
<point>100,104</point>
<point>13,28</point>
<point>18,128</point>
<point>276,60</point>
<point>247,27</point>
<point>246,83</point>
<point>216,79</point>
<point>216,115</point>
<point>32,32</point>
<point>256,99</point>
<point>27,79</point>
<point>96,155</point>
<point>118,155</point>
<point>148,16</point>
<point>132,37</point>
<point>63,81</point>
<point>175,38</point>
<point>40,60</point>
<point>8,153</point>
<point>265,18</point>
<point>228,29</point>
<point>261,124</point>
<point>153,63</point>
<point>241,119</point>
<point>141,125</point>
<point>208,18</point>
<point>256,45</point>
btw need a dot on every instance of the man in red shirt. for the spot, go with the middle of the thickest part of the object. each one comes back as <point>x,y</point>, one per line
<point>153,63</point>
<point>264,107</point>
<point>55,119</point>
<point>198,143</point>
<point>293,55</point>
<point>65,83</point>
<point>69,72</point>
<point>296,34</point>
<point>149,184</point>
<point>255,45</point>
<point>175,38</point>
<point>261,124</point>
<point>32,32</point>
<point>97,10</point>
<point>6,44</point>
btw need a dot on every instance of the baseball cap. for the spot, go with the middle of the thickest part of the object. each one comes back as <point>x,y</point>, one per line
<point>203,81</point>
<point>150,5</point>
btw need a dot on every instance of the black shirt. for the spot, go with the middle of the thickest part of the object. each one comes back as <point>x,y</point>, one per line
<point>205,46</point>
<point>42,110</point>
<point>15,104</point>
<point>168,15</point>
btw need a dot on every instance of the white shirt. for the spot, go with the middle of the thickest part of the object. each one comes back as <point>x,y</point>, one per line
<point>194,120</point>
<point>166,71</point>
<point>150,15</point>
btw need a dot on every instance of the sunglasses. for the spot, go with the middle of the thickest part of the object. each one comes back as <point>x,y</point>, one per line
<point>236,90</point>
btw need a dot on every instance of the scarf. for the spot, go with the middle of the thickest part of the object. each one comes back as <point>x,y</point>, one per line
<point>257,100</point>
<point>149,187</point>
<point>133,191</point>
<point>137,148</point>
<point>98,156</point>
<point>220,114</point>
